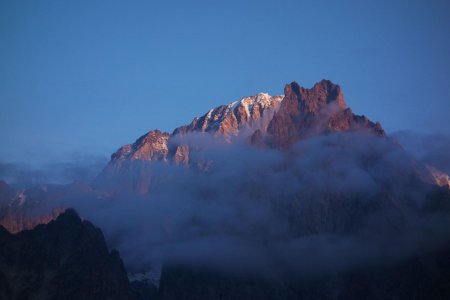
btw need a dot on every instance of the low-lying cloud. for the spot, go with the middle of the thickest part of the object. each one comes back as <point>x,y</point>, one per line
<point>329,203</point>
<point>23,175</point>
<point>431,149</point>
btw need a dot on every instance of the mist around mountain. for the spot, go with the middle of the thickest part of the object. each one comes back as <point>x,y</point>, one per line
<point>313,202</point>
<point>23,175</point>
<point>430,149</point>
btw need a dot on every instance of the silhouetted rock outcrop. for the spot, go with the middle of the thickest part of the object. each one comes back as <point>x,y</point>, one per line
<point>64,259</point>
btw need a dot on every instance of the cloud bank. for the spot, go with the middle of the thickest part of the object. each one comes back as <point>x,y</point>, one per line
<point>329,203</point>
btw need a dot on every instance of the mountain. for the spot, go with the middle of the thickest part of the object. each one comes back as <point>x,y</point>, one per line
<point>339,175</point>
<point>268,197</point>
<point>228,121</point>
<point>277,121</point>
<point>250,113</point>
<point>310,112</point>
<point>262,121</point>
<point>64,259</point>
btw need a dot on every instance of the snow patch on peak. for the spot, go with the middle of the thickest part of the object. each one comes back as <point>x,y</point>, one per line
<point>264,100</point>
<point>233,105</point>
<point>209,114</point>
<point>227,120</point>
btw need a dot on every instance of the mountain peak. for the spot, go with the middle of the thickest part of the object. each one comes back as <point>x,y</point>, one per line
<point>274,121</point>
<point>307,112</point>
<point>227,120</point>
<point>150,146</point>
<point>313,100</point>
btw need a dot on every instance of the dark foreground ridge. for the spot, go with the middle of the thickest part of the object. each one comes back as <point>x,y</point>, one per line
<point>64,259</point>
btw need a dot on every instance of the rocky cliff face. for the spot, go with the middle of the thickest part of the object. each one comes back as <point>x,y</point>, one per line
<point>149,147</point>
<point>268,121</point>
<point>250,113</point>
<point>227,121</point>
<point>263,121</point>
<point>65,259</point>
<point>308,112</point>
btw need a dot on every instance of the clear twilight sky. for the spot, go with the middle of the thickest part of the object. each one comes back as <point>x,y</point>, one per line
<point>85,77</point>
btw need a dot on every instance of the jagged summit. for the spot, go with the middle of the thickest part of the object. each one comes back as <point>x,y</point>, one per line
<point>248,114</point>
<point>227,120</point>
<point>308,112</point>
<point>269,121</point>
<point>151,146</point>
<point>322,93</point>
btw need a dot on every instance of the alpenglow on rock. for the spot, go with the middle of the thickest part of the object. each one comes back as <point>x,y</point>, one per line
<point>151,146</point>
<point>228,121</point>
<point>263,120</point>
<point>309,112</point>
<point>253,112</point>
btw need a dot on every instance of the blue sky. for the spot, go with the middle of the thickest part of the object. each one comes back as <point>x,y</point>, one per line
<point>85,77</point>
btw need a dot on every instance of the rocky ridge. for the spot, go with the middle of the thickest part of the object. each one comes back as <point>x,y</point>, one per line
<point>64,259</point>
<point>268,121</point>
<point>309,112</point>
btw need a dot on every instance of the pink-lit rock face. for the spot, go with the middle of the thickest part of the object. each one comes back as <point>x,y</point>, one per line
<point>150,146</point>
<point>308,112</point>
<point>262,120</point>
<point>227,121</point>
<point>252,113</point>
